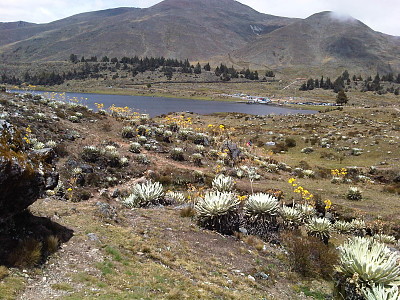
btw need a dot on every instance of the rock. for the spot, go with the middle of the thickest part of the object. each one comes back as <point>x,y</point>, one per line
<point>243,230</point>
<point>92,237</point>
<point>24,176</point>
<point>115,194</point>
<point>261,275</point>
<point>251,278</point>
<point>51,180</point>
<point>106,211</point>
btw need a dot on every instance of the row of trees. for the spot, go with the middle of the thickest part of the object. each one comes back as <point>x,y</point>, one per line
<point>42,78</point>
<point>344,80</point>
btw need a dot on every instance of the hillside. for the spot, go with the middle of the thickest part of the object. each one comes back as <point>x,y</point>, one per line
<point>199,30</point>
<point>323,41</point>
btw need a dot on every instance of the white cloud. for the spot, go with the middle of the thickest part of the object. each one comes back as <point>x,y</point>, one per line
<point>382,16</point>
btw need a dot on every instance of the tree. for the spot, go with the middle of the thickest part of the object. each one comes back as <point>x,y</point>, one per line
<point>303,87</point>
<point>377,79</point>
<point>341,98</point>
<point>316,83</point>
<point>207,67</point>
<point>197,69</point>
<point>310,84</point>
<point>73,58</point>
<point>269,74</point>
<point>345,75</point>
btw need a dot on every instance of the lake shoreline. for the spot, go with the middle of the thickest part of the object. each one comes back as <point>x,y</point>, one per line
<point>156,106</point>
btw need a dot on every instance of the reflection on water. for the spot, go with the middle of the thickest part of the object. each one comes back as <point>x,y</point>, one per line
<point>155,106</point>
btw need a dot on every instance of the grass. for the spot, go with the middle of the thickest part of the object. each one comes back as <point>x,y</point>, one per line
<point>311,293</point>
<point>10,287</point>
<point>62,287</point>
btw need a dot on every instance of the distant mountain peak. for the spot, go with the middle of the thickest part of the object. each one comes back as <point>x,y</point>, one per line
<point>335,16</point>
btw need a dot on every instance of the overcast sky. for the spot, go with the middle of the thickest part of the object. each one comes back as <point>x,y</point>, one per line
<point>382,15</point>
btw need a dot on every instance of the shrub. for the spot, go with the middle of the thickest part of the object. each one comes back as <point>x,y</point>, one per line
<point>28,253</point>
<point>144,194</point>
<point>307,150</point>
<point>218,211</point>
<point>3,272</point>
<point>320,228</point>
<point>309,257</point>
<point>222,183</point>
<point>372,261</point>
<point>290,142</point>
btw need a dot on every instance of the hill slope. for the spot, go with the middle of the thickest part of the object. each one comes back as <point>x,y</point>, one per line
<point>324,39</point>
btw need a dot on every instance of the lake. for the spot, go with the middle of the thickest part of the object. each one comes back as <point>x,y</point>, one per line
<point>155,106</point>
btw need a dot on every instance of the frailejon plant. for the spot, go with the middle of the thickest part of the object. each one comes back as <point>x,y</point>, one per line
<point>373,262</point>
<point>384,238</point>
<point>218,211</point>
<point>292,217</point>
<point>134,147</point>
<point>354,193</point>
<point>381,292</point>
<point>145,194</point>
<point>197,157</point>
<point>128,132</point>
<point>306,210</point>
<point>320,228</point>
<point>343,227</point>
<point>175,197</point>
<point>222,183</point>
<point>177,154</point>
<point>260,211</point>
<point>91,153</point>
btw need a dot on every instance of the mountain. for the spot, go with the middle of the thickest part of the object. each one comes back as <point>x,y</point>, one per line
<point>194,29</point>
<point>323,40</point>
<point>207,30</point>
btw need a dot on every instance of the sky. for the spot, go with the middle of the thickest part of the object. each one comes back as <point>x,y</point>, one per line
<point>382,15</point>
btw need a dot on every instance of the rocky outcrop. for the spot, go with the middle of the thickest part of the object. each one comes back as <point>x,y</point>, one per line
<point>24,175</point>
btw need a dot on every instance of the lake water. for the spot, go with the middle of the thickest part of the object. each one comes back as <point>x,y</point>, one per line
<point>155,106</point>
